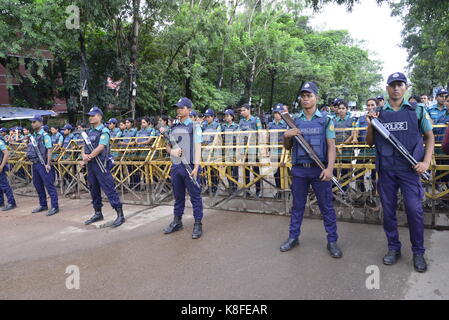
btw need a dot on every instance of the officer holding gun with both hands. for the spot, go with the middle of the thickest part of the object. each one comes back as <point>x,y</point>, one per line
<point>318,130</point>
<point>408,124</point>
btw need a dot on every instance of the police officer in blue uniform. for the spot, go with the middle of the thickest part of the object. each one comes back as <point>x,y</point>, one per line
<point>318,130</point>
<point>249,122</point>
<point>43,174</point>
<point>408,124</point>
<point>230,139</point>
<point>68,135</point>
<point>380,101</point>
<point>210,125</point>
<point>112,125</point>
<point>188,136</point>
<point>5,188</point>
<point>99,136</point>
<point>277,138</point>
<point>437,110</point>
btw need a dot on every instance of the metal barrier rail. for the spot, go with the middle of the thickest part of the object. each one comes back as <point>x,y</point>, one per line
<point>142,175</point>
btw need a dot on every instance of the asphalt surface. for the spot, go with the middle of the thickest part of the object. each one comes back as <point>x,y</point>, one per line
<point>238,257</point>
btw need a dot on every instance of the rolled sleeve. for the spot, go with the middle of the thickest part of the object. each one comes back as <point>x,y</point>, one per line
<point>330,130</point>
<point>104,138</point>
<point>2,145</point>
<point>47,142</point>
<point>197,135</point>
<point>426,124</point>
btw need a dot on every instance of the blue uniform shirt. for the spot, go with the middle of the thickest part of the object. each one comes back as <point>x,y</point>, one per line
<point>330,129</point>
<point>105,134</point>
<point>47,139</point>
<point>197,132</point>
<point>2,145</point>
<point>436,113</point>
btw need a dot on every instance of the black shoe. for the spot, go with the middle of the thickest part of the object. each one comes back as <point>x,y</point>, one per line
<point>52,212</point>
<point>98,216</point>
<point>334,250</point>
<point>419,262</point>
<point>289,244</point>
<point>197,229</point>
<point>39,209</point>
<point>9,207</point>
<point>391,257</point>
<point>120,218</point>
<point>176,225</point>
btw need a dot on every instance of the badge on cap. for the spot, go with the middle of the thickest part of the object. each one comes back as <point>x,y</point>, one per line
<point>180,100</point>
<point>306,85</point>
<point>396,75</point>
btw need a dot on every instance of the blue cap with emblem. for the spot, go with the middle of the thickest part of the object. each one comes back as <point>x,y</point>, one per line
<point>336,101</point>
<point>68,126</point>
<point>310,87</point>
<point>183,102</point>
<point>37,118</point>
<point>278,108</point>
<point>112,120</point>
<point>3,130</point>
<point>209,112</point>
<point>193,113</point>
<point>380,98</point>
<point>441,91</point>
<point>94,111</point>
<point>229,112</point>
<point>397,76</point>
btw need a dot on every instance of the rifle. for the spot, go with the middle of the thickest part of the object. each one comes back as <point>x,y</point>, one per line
<point>89,145</point>
<point>170,139</point>
<point>298,95</point>
<point>307,148</point>
<point>39,155</point>
<point>397,145</point>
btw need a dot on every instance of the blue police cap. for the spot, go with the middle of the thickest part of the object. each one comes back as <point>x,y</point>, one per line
<point>193,113</point>
<point>397,76</point>
<point>278,108</point>
<point>442,91</point>
<point>183,102</point>
<point>3,130</point>
<point>94,111</point>
<point>336,101</point>
<point>209,112</point>
<point>67,126</point>
<point>229,111</point>
<point>37,118</point>
<point>112,120</point>
<point>310,87</point>
<point>45,127</point>
<point>380,98</point>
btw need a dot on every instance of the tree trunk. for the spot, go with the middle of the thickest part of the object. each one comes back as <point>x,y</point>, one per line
<point>84,75</point>
<point>133,60</point>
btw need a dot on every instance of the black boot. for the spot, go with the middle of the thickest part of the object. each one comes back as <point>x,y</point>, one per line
<point>391,257</point>
<point>197,229</point>
<point>120,218</point>
<point>334,250</point>
<point>289,244</point>
<point>98,216</point>
<point>39,209</point>
<point>176,225</point>
<point>419,262</point>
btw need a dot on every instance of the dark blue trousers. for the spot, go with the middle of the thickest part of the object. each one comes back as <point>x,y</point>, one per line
<point>388,185</point>
<point>302,178</point>
<point>5,189</point>
<point>102,181</point>
<point>45,180</point>
<point>180,182</point>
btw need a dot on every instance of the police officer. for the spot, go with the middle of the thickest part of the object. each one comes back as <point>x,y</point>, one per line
<point>380,101</point>
<point>229,139</point>
<point>318,130</point>
<point>188,136</point>
<point>112,125</point>
<point>56,137</point>
<point>68,135</point>
<point>277,138</point>
<point>439,109</point>
<point>5,188</point>
<point>43,174</point>
<point>98,180</point>
<point>211,126</point>
<point>251,123</point>
<point>410,123</point>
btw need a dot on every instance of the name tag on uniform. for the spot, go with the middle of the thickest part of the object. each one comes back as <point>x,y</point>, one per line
<point>396,126</point>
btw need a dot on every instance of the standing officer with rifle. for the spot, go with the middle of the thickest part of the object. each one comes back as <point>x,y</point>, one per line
<point>318,131</point>
<point>184,147</point>
<point>96,155</point>
<point>400,160</point>
<point>39,152</point>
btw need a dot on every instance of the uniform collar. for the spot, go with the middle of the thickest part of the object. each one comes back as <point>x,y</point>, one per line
<point>278,122</point>
<point>99,127</point>
<point>388,106</point>
<point>435,106</point>
<point>229,124</point>
<point>250,118</point>
<point>317,113</point>
<point>337,118</point>
<point>187,121</point>
<point>41,131</point>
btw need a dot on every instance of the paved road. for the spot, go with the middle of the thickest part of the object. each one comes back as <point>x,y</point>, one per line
<point>237,258</point>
